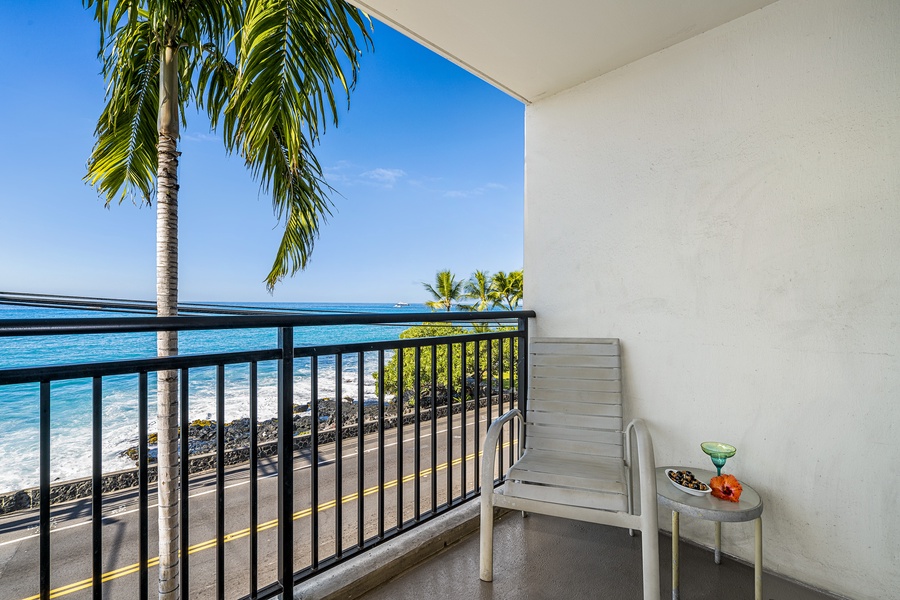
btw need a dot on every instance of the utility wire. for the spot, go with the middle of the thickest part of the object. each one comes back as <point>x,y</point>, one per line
<point>148,307</point>
<point>145,306</point>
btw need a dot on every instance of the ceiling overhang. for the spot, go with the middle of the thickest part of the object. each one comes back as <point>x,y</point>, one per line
<point>532,49</point>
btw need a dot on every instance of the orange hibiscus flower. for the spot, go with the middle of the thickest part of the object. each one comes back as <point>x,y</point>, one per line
<point>726,487</point>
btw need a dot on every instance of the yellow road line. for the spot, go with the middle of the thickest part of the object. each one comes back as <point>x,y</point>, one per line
<point>134,568</point>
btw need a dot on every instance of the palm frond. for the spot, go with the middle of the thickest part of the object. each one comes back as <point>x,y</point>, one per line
<point>446,290</point>
<point>289,55</point>
<point>436,304</point>
<point>215,87</point>
<point>507,289</point>
<point>478,288</point>
<point>111,15</point>
<point>123,160</point>
<point>299,196</point>
<point>265,71</point>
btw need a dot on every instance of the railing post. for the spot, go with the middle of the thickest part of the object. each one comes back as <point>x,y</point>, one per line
<point>286,461</point>
<point>97,489</point>
<point>338,456</point>
<point>522,372</point>
<point>185,479</point>
<point>44,531</point>
<point>399,437</point>
<point>477,477</point>
<point>220,480</point>
<point>314,460</point>
<point>381,383</point>
<point>143,486</point>
<point>254,481</point>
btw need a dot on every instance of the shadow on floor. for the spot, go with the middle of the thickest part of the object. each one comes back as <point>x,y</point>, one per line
<point>548,558</point>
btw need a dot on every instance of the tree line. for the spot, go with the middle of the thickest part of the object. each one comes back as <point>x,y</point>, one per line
<point>494,362</point>
<point>482,291</point>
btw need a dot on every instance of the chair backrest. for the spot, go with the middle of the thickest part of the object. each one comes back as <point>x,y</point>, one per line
<point>575,397</point>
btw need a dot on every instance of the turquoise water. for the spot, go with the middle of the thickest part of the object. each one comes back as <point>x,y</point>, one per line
<point>71,400</point>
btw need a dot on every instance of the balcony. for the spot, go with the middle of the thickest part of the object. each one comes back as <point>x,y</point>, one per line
<point>385,514</point>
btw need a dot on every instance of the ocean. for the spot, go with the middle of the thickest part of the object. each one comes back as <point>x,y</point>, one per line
<point>71,400</point>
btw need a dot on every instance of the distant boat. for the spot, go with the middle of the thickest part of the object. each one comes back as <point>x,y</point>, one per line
<point>401,304</point>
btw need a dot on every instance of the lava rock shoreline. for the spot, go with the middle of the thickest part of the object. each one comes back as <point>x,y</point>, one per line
<point>202,432</point>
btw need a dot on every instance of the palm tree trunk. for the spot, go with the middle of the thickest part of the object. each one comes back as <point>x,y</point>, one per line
<point>167,306</point>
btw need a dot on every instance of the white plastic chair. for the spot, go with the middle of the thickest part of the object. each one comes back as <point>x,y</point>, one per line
<point>575,458</point>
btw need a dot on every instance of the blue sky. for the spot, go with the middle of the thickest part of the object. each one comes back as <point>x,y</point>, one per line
<point>428,162</point>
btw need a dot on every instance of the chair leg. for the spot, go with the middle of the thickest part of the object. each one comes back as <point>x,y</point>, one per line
<point>487,537</point>
<point>650,556</point>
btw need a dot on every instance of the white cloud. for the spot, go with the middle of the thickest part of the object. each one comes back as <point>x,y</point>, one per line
<point>200,137</point>
<point>384,177</point>
<point>470,193</point>
<point>338,172</point>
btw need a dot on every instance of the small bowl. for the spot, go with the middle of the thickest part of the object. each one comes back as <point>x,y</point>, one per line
<point>688,490</point>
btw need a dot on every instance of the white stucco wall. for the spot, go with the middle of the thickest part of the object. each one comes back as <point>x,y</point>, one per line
<point>730,209</point>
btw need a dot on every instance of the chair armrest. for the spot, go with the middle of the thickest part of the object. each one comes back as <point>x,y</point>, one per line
<point>491,439</point>
<point>646,460</point>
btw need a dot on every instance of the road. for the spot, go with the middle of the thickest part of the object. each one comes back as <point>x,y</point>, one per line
<point>71,530</point>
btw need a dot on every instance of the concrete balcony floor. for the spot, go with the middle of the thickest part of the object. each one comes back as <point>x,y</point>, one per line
<point>541,557</point>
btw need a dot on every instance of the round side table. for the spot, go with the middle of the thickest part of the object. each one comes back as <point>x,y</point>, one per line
<point>710,508</point>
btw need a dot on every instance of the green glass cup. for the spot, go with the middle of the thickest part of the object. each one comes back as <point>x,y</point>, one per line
<point>719,453</point>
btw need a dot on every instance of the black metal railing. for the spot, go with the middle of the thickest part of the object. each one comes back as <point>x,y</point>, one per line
<point>339,488</point>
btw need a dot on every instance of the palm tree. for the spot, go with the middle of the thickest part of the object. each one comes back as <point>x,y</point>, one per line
<point>263,72</point>
<point>506,290</point>
<point>446,290</point>
<point>478,288</point>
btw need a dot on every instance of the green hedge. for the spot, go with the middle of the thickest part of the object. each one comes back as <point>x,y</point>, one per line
<point>441,353</point>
